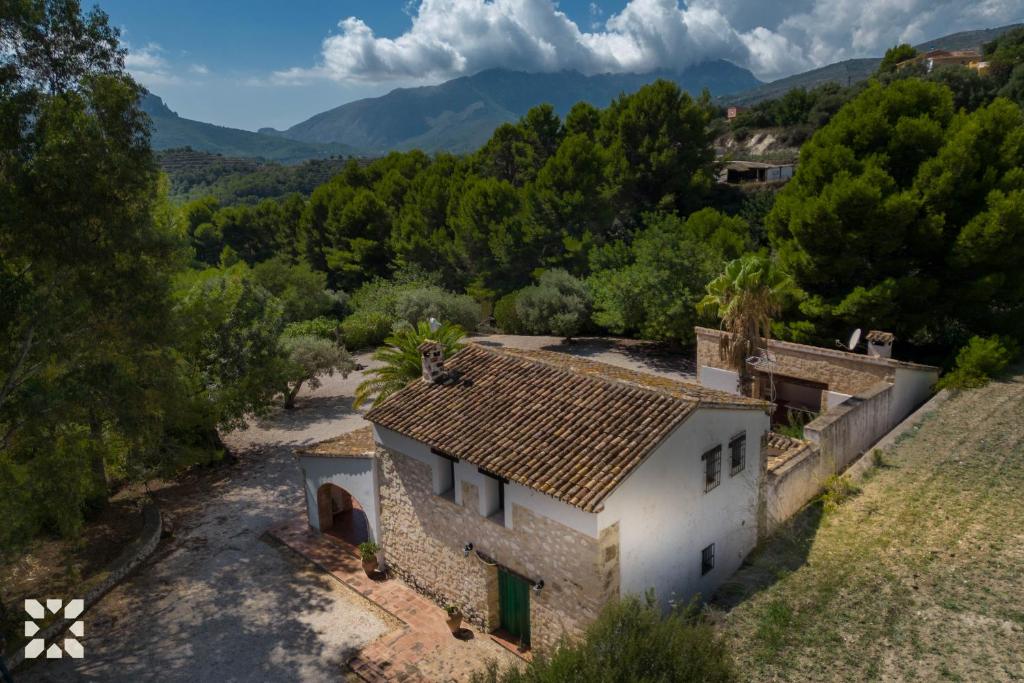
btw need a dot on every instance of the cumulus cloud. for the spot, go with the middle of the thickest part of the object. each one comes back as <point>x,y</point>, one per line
<point>453,37</point>
<point>150,66</point>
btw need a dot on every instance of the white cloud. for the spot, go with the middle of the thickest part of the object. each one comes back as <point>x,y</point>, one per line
<point>199,69</point>
<point>452,37</point>
<point>149,66</point>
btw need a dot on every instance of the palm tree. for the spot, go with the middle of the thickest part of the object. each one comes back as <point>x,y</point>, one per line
<point>746,296</point>
<point>402,362</point>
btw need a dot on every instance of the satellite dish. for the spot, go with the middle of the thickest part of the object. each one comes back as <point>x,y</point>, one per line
<point>854,339</point>
<point>435,325</point>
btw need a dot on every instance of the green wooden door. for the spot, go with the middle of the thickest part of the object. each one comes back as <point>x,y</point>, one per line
<point>514,603</point>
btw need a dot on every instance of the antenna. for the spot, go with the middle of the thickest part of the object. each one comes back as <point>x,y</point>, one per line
<point>854,339</point>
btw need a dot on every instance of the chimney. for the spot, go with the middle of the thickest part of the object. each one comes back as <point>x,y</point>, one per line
<point>880,344</point>
<point>432,356</point>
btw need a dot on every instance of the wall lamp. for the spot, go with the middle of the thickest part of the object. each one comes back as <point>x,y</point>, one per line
<point>538,586</point>
<point>467,549</point>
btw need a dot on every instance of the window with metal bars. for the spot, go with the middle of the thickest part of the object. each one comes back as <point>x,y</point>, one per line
<point>737,453</point>
<point>707,559</point>
<point>712,468</point>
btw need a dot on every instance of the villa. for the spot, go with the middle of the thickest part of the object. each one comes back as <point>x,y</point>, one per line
<point>531,487</point>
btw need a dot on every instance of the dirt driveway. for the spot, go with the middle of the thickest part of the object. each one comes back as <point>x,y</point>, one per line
<point>218,601</point>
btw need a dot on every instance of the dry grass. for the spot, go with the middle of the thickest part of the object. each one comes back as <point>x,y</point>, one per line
<point>919,577</point>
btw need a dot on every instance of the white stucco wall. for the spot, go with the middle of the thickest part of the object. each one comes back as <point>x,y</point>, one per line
<point>534,501</point>
<point>834,398</point>
<point>911,388</point>
<point>717,378</point>
<point>665,517</point>
<point>358,476</point>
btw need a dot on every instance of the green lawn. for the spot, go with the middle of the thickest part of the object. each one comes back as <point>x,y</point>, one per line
<point>919,577</point>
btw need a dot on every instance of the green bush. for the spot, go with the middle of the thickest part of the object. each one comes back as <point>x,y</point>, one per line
<point>322,327</point>
<point>978,362</point>
<point>423,303</point>
<point>558,304</point>
<point>630,641</point>
<point>838,490</point>
<point>366,329</point>
<point>505,315</point>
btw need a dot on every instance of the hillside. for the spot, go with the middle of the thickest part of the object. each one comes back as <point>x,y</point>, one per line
<point>233,180</point>
<point>172,131</point>
<point>851,71</point>
<point>916,578</point>
<point>460,115</point>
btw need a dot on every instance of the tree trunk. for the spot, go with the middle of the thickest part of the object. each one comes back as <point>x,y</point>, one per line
<point>290,394</point>
<point>97,463</point>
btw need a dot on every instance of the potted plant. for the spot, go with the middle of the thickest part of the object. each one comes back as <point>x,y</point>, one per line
<point>368,552</point>
<point>454,617</point>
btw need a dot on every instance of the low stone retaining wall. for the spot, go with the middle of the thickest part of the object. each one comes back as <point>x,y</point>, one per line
<point>132,556</point>
<point>844,433</point>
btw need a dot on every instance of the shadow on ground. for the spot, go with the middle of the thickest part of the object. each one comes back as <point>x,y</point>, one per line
<point>781,554</point>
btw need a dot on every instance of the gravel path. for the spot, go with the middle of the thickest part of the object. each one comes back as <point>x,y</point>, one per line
<point>219,601</point>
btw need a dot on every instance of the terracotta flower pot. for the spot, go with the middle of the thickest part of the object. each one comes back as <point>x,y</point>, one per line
<point>455,622</point>
<point>370,567</point>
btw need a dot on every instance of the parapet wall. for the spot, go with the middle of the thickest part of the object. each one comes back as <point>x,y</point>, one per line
<point>844,433</point>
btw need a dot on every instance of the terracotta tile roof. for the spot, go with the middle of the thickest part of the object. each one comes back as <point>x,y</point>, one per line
<point>780,449</point>
<point>568,427</point>
<point>354,444</point>
<point>880,337</point>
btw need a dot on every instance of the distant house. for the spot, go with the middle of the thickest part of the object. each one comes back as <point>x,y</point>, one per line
<point>530,488</point>
<point>733,112</point>
<point>972,59</point>
<point>738,172</point>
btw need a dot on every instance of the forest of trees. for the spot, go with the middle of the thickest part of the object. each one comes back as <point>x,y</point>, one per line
<point>135,329</point>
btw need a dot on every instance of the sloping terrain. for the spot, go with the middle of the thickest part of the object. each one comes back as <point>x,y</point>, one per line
<point>920,577</point>
<point>460,115</point>
<point>172,131</point>
<point>851,71</point>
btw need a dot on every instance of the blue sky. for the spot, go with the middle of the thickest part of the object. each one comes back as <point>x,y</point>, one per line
<point>271,63</point>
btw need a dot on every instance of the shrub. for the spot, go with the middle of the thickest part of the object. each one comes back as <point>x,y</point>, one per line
<point>558,304</point>
<point>322,327</point>
<point>366,329</point>
<point>423,303</point>
<point>838,490</point>
<point>630,641</point>
<point>505,315</point>
<point>978,362</point>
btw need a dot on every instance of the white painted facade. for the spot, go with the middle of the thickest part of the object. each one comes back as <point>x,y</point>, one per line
<point>911,388</point>
<point>720,379</point>
<point>666,518</point>
<point>357,475</point>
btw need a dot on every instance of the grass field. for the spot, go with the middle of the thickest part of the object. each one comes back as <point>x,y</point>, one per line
<point>920,576</point>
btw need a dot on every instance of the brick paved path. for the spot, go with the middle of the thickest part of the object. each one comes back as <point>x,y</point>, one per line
<point>424,649</point>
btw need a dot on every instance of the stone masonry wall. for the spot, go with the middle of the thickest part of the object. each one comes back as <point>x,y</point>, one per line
<point>843,372</point>
<point>423,539</point>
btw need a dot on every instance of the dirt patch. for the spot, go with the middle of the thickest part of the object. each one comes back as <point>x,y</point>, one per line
<point>60,567</point>
<point>917,577</point>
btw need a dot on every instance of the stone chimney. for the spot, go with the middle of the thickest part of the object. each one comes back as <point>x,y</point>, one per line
<point>432,356</point>
<point>880,344</point>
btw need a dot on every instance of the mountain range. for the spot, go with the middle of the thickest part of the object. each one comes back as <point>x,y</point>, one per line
<point>459,115</point>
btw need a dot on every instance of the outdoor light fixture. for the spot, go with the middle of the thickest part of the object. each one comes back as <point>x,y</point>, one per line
<point>467,549</point>
<point>538,586</point>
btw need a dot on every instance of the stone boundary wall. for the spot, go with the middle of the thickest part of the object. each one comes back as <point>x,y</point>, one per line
<point>842,371</point>
<point>423,537</point>
<point>793,484</point>
<point>844,433</point>
<point>130,558</point>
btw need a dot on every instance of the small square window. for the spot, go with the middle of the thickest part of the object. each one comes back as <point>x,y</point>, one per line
<point>712,468</point>
<point>707,559</point>
<point>737,453</point>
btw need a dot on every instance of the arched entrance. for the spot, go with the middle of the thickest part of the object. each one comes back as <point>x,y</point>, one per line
<point>341,515</point>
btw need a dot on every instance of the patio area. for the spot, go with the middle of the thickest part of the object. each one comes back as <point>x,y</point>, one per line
<point>424,649</point>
